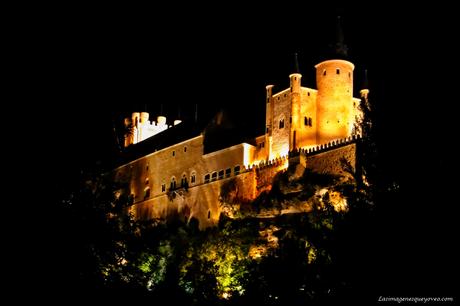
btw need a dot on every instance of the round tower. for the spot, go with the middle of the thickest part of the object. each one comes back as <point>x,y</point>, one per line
<point>334,110</point>
<point>135,118</point>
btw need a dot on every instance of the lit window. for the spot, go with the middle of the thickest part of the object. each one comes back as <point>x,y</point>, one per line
<point>236,170</point>
<point>228,172</point>
<point>146,193</point>
<point>221,174</point>
<point>214,176</point>
<point>206,178</point>
<point>337,71</point>
<point>281,123</point>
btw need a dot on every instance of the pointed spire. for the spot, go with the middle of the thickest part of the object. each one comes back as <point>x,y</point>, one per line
<point>296,63</point>
<point>341,48</point>
<point>365,83</point>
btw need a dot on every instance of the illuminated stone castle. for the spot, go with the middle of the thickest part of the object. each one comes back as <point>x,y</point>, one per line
<point>172,172</point>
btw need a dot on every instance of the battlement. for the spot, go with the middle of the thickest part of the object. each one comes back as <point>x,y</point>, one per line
<point>328,146</point>
<point>139,127</point>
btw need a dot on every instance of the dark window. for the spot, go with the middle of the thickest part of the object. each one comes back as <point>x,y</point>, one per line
<point>214,176</point>
<point>173,153</point>
<point>309,121</point>
<point>185,149</point>
<point>183,181</point>
<point>206,178</point>
<point>209,214</point>
<point>305,120</point>
<point>236,170</point>
<point>308,93</point>
<point>193,178</point>
<point>291,88</point>
<point>324,72</point>
<point>349,74</point>
<point>295,78</point>
<point>281,123</point>
<point>173,184</point>
<point>146,181</point>
<point>228,172</point>
<point>268,100</point>
<point>285,95</point>
<point>267,130</point>
<point>163,187</point>
<point>290,119</point>
<point>278,97</point>
<point>221,174</point>
<point>337,71</point>
<point>147,167</point>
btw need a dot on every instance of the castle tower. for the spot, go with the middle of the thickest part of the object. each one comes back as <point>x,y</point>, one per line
<point>269,109</point>
<point>334,80</point>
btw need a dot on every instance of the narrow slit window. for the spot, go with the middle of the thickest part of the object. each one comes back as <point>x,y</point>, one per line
<point>337,71</point>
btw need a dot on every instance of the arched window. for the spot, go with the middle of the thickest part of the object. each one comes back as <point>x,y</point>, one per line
<point>146,193</point>
<point>193,178</point>
<point>281,123</point>
<point>206,178</point>
<point>183,181</point>
<point>324,72</point>
<point>173,183</point>
<point>236,170</point>
<point>214,176</point>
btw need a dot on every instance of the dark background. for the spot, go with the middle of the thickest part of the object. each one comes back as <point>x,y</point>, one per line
<point>89,67</point>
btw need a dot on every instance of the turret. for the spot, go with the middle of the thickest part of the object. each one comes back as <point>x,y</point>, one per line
<point>135,118</point>
<point>296,114</point>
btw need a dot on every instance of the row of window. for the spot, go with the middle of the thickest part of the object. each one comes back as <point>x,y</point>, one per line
<point>337,71</point>
<point>220,175</point>
<point>307,121</point>
<point>174,151</point>
<point>184,182</point>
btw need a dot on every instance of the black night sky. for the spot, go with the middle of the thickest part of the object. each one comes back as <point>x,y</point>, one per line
<point>95,68</point>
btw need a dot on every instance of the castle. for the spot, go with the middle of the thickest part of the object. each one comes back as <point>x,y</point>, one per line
<point>174,173</point>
